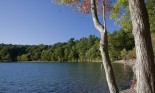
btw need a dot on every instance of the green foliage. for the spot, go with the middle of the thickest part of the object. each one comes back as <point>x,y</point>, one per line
<point>120,12</point>
<point>9,52</point>
<point>119,42</point>
<point>73,50</point>
<point>124,54</point>
<point>85,49</point>
<point>131,54</point>
<point>93,54</point>
<point>153,42</point>
<point>151,11</point>
<point>121,46</point>
<point>45,55</point>
<point>23,57</point>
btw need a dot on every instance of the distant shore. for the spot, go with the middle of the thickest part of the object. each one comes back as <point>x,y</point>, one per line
<point>130,62</point>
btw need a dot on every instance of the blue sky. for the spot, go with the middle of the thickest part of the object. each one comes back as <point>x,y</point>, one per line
<point>41,22</point>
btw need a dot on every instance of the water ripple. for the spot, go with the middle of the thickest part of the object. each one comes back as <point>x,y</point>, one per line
<point>58,78</point>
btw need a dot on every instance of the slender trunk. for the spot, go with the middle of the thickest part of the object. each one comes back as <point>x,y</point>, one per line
<point>104,50</point>
<point>145,66</point>
<point>107,64</point>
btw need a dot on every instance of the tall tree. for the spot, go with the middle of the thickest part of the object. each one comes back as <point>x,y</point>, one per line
<point>104,47</point>
<point>97,7</point>
<point>144,68</point>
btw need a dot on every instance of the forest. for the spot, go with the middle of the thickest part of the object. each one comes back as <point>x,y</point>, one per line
<point>86,49</point>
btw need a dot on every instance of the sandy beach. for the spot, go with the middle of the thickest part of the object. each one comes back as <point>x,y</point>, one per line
<point>130,62</point>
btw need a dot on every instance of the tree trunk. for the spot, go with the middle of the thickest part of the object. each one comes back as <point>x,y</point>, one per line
<point>104,50</point>
<point>145,65</point>
<point>107,64</point>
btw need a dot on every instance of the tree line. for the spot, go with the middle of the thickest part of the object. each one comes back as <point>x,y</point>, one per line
<point>86,49</point>
<point>121,46</point>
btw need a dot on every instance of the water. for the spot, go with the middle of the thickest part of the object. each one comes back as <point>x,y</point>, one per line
<point>59,78</point>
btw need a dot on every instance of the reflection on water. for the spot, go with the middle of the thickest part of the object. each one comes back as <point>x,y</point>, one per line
<point>123,75</point>
<point>59,77</point>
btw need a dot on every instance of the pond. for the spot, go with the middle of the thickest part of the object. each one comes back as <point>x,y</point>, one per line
<point>35,77</point>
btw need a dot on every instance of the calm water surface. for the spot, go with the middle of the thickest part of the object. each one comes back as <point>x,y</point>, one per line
<point>59,77</point>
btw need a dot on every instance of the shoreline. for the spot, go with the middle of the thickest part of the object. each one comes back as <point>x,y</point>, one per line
<point>130,62</point>
<point>130,90</point>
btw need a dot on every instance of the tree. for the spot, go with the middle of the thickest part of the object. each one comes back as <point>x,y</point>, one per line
<point>119,40</point>
<point>74,54</point>
<point>93,54</point>
<point>144,67</point>
<point>82,47</point>
<point>24,57</point>
<point>45,55</point>
<point>59,51</point>
<point>68,49</point>
<point>120,12</point>
<point>85,6</point>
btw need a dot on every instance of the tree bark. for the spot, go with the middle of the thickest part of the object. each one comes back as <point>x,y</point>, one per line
<point>145,65</point>
<point>104,50</point>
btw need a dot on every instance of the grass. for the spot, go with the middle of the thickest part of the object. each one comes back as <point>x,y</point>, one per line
<point>153,42</point>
